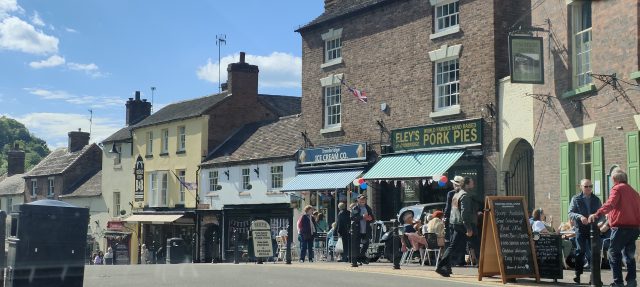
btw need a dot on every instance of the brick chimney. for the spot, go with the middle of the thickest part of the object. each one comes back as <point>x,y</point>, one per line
<point>77,140</point>
<point>243,78</point>
<point>137,109</point>
<point>15,158</point>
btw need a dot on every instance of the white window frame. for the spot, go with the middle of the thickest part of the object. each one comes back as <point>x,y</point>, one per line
<point>165,141</point>
<point>117,160</point>
<point>182,175</point>
<point>182,138</point>
<point>440,86</point>
<point>213,180</point>
<point>51,187</point>
<point>277,176</point>
<point>583,161</point>
<point>581,52</point>
<point>158,188</point>
<point>441,6</point>
<point>116,204</point>
<point>34,188</point>
<point>245,177</point>
<point>332,56</point>
<point>332,101</point>
<point>150,143</point>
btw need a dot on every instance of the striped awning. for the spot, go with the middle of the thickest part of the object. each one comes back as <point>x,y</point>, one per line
<point>153,218</point>
<point>322,180</point>
<point>414,165</point>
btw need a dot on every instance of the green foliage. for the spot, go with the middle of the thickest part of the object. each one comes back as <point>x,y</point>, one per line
<point>12,131</point>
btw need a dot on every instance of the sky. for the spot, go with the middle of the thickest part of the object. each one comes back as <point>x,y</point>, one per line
<point>61,59</point>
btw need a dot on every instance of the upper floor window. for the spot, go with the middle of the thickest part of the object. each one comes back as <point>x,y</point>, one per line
<point>158,188</point>
<point>150,143</point>
<point>34,187</point>
<point>116,204</point>
<point>332,106</point>
<point>181,177</point>
<point>182,138</point>
<point>447,15</point>
<point>9,204</point>
<point>332,47</point>
<point>246,179</point>
<point>118,157</point>
<point>50,191</point>
<point>165,141</point>
<point>581,32</point>
<point>447,84</point>
<point>276,176</point>
<point>583,161</point>
<point>213,180</point>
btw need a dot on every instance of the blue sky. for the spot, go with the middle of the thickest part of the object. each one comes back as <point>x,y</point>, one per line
<point>58,59</point>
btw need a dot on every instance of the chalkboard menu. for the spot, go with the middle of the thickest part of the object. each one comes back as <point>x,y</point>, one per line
<point>513,232</point>
<point>549,254</point>
<point>506,247</point>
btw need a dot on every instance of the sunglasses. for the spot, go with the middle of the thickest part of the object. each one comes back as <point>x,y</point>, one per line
<point>588,186</point>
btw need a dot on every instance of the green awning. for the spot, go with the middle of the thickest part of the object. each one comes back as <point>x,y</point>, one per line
<point>414,165</point>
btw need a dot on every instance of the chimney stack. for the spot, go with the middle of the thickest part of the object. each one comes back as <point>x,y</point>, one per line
<point>77,140</point>
<point>15,158</point>
<point>243,78</point>
<point>137,110</point>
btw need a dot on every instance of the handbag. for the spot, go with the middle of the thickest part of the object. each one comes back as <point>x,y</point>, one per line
<point>339,248</point>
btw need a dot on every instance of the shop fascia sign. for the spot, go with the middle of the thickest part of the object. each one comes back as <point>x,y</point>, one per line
<point>138,172</point>
<point>329,154</point>
<point>438,135</point>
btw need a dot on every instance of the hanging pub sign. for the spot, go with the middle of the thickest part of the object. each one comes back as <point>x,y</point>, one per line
<point>438,135</point>
<point>138,172</point>
<point>348,152</point>
<point>526,59</point>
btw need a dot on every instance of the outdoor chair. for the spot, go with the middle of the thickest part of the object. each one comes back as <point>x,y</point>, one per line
<point>432,246</point>
<point>407,256</point>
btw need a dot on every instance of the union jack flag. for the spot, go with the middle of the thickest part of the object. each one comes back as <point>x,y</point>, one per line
<point>360,94</point>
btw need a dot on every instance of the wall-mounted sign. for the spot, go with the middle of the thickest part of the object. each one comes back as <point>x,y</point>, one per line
<point>138,173</point>
<point>526,58</point>
<point>349,152</point>
<point>438,135</point>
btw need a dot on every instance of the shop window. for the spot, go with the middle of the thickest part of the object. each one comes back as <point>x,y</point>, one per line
<point>276,177</point>
<point>581,42</point>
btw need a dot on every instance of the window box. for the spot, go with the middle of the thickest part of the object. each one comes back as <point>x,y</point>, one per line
<point>635,75</point>
<point>589,88</point>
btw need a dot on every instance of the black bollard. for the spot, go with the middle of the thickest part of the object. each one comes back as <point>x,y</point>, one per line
<point>289,239</point>
<point>395,238</point>
<point>596,256</point>
<point>355,243</point>
<point>236,260</point>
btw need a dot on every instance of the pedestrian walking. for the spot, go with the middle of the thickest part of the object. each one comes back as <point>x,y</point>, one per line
<point>307,227</point>
<point>97,260</point>
<point>108,257</point>
<point>144,254</point>
<point>343,229</point>
<point>624,219</point>
<point>362,215</point>
<point>461,220</point>
<point>581,206</point>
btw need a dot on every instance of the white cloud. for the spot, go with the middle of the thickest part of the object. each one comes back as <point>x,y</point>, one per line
<point>18,35</point>
<point>90,101</point>
<point>36,20</point>
<point>8,6</point>
<point>70,30</point>
<point>90,69</point>
<point>52,61</point>
<point>276,70</point>
<point>53,127</point>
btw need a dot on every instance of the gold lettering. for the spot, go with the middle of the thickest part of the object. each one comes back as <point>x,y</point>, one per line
<point>474,135</point>
<point>456,136</point>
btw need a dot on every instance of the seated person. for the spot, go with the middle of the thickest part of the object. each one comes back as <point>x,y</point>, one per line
<point>407,219</point>
<point>436,225</point>
<point>538,225</point>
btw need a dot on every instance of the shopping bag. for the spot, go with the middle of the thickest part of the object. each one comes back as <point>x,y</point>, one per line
<point>339,248</point>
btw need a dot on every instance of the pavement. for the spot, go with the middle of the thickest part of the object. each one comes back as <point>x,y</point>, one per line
<point>308,274</point>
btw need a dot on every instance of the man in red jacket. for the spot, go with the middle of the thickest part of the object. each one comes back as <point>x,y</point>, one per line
<point>623,208</point>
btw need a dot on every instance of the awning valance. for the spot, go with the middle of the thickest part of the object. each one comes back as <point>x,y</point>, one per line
<point>322,180</point>
<point>161,218</point>
<point>414,165</point>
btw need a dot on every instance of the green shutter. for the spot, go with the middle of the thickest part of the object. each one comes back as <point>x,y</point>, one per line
<point>633,159</point>
<point>597,166</point>
<point>567,161</point>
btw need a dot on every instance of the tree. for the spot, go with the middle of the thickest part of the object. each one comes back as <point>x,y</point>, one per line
<point>13,132</point>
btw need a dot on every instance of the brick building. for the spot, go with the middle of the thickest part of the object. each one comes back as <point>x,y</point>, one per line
<point>420,63</point>
<point>591,121</point>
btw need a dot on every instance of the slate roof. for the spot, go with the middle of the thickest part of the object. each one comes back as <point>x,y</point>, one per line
<point>182,110</point>
<point>91,187</point>
<point>281,105</point>
<point>121,135</point>
<point>343,8</point>
<point>263,140</point>
<point>57,161</point>
<point>11,185</point>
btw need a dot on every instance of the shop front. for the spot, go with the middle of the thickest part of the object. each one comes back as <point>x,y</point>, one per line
<point>119,238</point>
<point>421,156</point>
<point>237,223</point>
<point>325,175</point>
<point>157,227</point>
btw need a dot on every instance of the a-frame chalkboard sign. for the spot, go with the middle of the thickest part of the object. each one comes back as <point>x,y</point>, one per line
<point>507,245</point>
